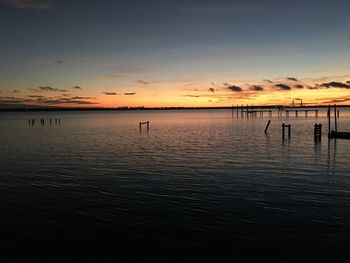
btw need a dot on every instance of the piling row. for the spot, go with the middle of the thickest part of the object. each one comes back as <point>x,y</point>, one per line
<point>31,122</point>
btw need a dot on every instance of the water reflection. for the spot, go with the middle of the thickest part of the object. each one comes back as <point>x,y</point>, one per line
<point>331,156</point>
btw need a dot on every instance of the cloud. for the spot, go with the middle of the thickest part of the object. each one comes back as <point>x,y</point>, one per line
<point>82,98</point>
<point>110,93</point>
<point>335,84</point>
<point>313,87</point>
<point>191,96</point>
<point>143,82</point>
<point>292,79</point>
<point>56,101</point>
<point>35,96</point>
<point>77,87</point>
<point>268,81</point>
<point>212,90</point>
<point>130,93</point>
<point>256,88</point>
<point>348,82</point>
<point>234,88</point>
<point>41,100</point>
<point>299,86</point>
<point>212,83</point>
<point>31,4</point>
<point>227,84</point>
<point>47,88</point>
<point>338,100</point>
<point>16,91</point>
<point>283,86</point>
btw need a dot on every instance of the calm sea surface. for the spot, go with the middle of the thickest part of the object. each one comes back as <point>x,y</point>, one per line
<point>199,184</point>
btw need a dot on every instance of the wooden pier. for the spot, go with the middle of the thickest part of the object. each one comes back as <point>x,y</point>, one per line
<point>334,134</point>
<point>249,111</point>
<point>296,111</point>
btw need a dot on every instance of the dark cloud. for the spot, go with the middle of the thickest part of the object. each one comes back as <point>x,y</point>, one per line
<point>41,100</point>
<point>35,96</point>
<point>348,82</point>
<point>57,101</point>
<point>299,86</point>
<point>338,100</point>
<point>82,98</point>
<point>110,93</point>
<point>31,4</point>
<point>283,86</point>
<point>143,82</point>
<point>335,84</point>
<point>16,91</point>
<point>77,87</point>
<point>191,96</point>
<point>227,84</point>
<point>234,88</point>
<point>256,88</point>
<point>47,88</point>
<point>58,62</point>
<point>268,81</point>
<point>11,101</point>
<point>130,93</point>
<point>313,87</point>
<point>212,90</point>
<point>212,83</point>
<point>65,101</point>
<point>292,79</point>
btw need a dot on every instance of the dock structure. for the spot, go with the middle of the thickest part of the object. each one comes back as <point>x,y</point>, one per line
<point>249,111</point>
<point>335,134</point>
<point>296,111</point>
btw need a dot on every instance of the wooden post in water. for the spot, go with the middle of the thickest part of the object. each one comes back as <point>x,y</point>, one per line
<point>316,113</point>
<point>283,125</point>
<point>318,130</point>
<point>144,123</point>
<point>335,118</point>
<point>289,130</point>
<point>267,126</point>
<point>329,119</point>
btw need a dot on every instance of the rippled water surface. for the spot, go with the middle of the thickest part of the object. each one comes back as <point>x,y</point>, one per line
<point>198,184</point>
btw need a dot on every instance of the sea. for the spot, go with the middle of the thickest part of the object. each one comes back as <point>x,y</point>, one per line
<point>198,185</point>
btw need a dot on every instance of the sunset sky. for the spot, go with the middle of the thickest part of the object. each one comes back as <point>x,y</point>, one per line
<point>112,53</point>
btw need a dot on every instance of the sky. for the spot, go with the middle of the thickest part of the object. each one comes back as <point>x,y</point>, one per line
<point>112,53</point>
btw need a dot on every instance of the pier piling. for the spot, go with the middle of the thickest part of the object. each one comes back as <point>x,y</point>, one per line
<point>144,123</point>
<point>267,126</point>
<point>284,126</point>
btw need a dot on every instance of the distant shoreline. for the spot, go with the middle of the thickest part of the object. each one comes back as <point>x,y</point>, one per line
<point>152,108</point>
